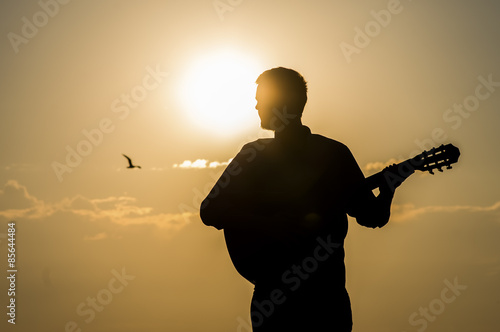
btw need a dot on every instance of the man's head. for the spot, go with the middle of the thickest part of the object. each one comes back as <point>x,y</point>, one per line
<point>281,97</point>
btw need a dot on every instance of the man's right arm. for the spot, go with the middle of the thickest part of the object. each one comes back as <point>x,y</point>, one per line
<point>232,202</point>
<point>218,207</point>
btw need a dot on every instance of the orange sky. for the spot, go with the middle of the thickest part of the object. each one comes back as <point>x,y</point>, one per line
<point>85,81</point>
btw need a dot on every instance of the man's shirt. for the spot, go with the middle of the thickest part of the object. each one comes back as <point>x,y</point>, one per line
<point>297,191</point>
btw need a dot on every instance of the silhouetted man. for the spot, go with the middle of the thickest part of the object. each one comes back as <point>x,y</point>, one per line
<point>283,205</point>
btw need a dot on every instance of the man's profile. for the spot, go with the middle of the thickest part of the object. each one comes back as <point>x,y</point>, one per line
<point>283,204</point>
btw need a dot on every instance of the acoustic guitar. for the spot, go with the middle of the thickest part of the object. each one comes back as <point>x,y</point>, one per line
<point>247,248</point>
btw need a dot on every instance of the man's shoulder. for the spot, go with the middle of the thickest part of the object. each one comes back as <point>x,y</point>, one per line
<point>258,144</point>
<point>261,141</point>
<point>251,149</point>
<point>328,143</point>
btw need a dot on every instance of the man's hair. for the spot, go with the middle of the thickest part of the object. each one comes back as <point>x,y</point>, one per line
<point>290,87</point>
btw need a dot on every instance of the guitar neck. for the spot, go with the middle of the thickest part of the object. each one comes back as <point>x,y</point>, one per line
<point>403,170</point>
<point>435,158</point>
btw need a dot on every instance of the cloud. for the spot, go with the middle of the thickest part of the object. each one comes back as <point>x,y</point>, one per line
<point>18,203</point>
<point>21,167</point>
<point>123,210</point>
<point>201,163</point>
<point>405,212</point>
<point>377,166</point>
<point>17,196</point>
<point>97,237</point>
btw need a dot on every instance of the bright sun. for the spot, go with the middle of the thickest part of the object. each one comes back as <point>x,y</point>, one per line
<point>219,92</point>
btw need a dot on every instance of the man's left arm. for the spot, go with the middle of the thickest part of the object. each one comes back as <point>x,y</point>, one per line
<point>368,209</point>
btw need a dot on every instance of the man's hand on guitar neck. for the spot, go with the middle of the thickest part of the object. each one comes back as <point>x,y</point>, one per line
<point>393,179</point>
<point>373,211</point>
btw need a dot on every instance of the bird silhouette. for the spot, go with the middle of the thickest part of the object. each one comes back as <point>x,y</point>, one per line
<point>130,165</point>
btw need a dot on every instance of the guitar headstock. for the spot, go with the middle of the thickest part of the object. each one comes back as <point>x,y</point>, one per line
<point>436,158</point>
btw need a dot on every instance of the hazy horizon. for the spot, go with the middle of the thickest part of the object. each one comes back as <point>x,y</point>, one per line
<point>100,247</point>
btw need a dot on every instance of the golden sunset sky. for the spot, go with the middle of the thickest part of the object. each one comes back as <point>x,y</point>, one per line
<point>100,247</point>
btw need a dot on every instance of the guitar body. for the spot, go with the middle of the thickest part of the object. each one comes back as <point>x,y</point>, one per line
<point>245,252</point>
<point>254,253</point>
<point>258,253</point>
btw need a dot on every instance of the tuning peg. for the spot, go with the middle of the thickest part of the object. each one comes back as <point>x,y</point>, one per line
<point>439,169</point>
<point>449,167</point>
<point>430,171</point>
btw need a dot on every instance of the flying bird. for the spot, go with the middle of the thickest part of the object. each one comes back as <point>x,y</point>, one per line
<point>130,165</point>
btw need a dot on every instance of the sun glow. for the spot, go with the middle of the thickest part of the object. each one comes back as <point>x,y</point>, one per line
<point>219,92</point>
